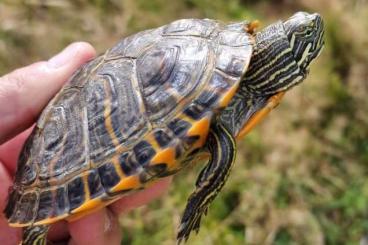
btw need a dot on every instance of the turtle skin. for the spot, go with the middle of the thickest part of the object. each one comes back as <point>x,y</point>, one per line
<point>139,112</point>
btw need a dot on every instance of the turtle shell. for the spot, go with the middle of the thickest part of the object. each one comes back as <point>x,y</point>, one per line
<point>128,117</point>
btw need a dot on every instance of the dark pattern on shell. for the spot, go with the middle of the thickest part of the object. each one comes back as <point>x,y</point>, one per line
<point>90,132</point>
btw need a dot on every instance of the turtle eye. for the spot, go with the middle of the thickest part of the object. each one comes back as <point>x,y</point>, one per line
<point>309,32</point>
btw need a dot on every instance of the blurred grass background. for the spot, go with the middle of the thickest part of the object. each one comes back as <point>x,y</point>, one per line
<point>300,177</point>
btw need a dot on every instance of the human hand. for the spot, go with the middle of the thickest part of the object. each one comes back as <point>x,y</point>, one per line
<point>23,95</point>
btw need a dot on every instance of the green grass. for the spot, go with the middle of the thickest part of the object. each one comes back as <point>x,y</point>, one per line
<point>300,177</point>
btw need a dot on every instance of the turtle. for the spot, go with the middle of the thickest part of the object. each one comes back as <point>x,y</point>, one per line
<point>151,105</point>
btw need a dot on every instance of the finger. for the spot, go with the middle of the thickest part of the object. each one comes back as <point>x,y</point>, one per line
<point>135,200</point>
<point>98,228</point>
<point>26,91</point>
<point>9,151</point>
<point>6,182</point>
<point>8,235</point>
<point>58,232</point>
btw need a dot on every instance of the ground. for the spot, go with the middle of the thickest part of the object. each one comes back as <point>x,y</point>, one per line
<point>300,176</point>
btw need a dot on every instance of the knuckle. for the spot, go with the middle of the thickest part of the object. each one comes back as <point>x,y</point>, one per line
<point>9,88</point>
<point>11,85</point>
<point>19,82</point>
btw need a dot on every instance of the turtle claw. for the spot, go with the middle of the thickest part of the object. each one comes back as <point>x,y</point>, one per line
<point>183,234</point>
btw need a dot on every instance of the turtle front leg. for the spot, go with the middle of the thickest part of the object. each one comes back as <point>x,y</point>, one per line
<point>35,235</point>
<point>221,146</point>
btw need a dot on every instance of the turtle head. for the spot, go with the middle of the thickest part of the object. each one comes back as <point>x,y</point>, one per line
<point>305,33</point>
<point>282,54</point>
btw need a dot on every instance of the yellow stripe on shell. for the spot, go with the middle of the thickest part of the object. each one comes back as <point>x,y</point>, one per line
<point>107,116</point>
<point>150,138</point>
<point>115,161</point>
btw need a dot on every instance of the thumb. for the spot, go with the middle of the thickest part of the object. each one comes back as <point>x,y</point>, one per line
<point>26,91</point>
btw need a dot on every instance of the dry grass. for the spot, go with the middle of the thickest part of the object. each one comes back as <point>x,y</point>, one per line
<point>300,177</point>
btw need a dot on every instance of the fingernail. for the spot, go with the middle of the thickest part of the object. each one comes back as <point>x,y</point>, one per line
<point>64,56</point>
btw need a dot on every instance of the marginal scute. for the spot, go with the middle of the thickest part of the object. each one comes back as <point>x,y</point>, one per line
<point>45,206</point>
<point>94,184</point>
<point>199,129</point>
<point>88,206</point>
<point>76,194</point>
<point>25,210</point>
<point>179,126</point>
<point>207,99</point>
<point>108,175</point>
<point>157,169</point>
<point>194,111</point>
<point>127,166</point>
<point>129,183</point>
<point>143,152</point>
<point>29,173</point>
<point>26,167</point>
<point>162,137</point>
<point>11,208</point>
<point>62,202</point>
<point>190,140</point>
<point>166,156</point>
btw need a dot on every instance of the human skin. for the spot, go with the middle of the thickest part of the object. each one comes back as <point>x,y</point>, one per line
<point>23,94</point>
